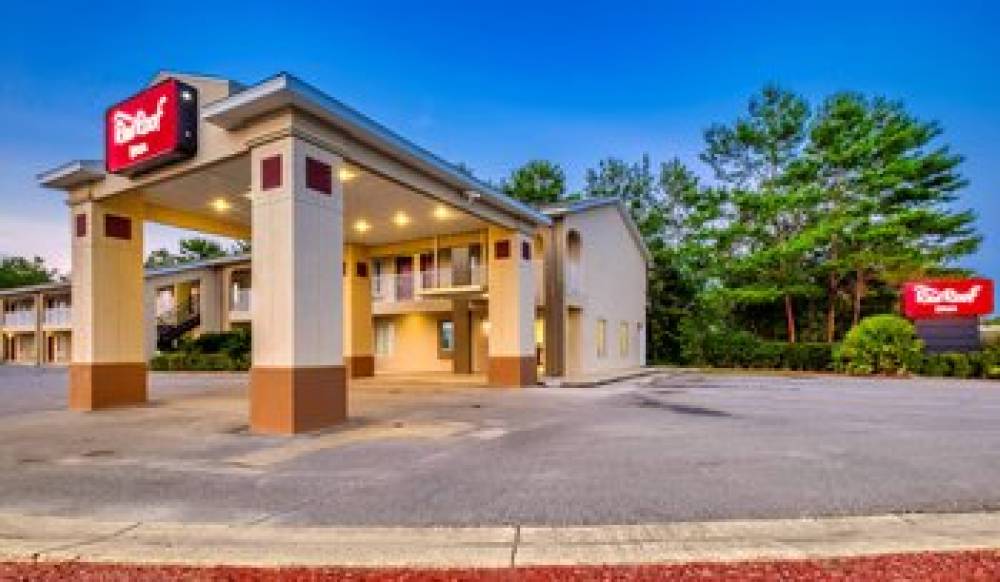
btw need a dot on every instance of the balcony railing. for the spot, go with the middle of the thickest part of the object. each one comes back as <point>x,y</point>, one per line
<point>57,316</point>
<point>390,288</point>
<point>394,287</point>
<point>240,300</point>
<point>20,318</point>
<point>449,277</point>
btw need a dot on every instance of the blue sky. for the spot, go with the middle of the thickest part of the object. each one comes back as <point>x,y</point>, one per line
<point>495,84</point>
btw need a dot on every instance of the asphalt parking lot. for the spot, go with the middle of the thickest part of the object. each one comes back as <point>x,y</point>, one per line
<point>679,445</point>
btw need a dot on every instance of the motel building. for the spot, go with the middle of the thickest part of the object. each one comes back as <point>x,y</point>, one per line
<point>370,256</point>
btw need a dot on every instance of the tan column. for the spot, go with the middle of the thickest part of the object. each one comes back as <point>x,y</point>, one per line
<point>39,329</point>
<point>359,328</point>
<point>108,365</point>
<point>511,310</point>
<point>554,241</point>
<point>209,303</point>
<point>298,381</point>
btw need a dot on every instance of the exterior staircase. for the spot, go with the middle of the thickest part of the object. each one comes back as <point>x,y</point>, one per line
<point>172,325</point>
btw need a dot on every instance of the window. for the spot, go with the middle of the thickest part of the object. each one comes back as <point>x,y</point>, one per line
<point>446,335</point>
<point>602,338</point>
<point>384,335</point>
<point>623,334</point>
<point>319,176</point>
<point>501,249</point>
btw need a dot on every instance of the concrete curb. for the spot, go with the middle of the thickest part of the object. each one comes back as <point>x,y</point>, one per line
<point>31,538</point>
<point>610,378</point>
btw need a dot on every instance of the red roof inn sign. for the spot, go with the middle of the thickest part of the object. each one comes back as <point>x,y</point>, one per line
<point>154,127</point>
<point>947,298</point>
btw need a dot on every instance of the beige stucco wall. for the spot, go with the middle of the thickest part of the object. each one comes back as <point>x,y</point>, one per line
<point>414,345</point>
<point>297,270</point>
<point>613,273</point>
<point>107,285</point>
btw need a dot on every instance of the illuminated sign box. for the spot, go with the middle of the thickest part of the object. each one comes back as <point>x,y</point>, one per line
<point>947,298</point>
<point>155,127</point>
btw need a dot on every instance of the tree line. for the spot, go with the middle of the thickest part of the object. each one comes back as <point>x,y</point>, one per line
<point>809,219</point>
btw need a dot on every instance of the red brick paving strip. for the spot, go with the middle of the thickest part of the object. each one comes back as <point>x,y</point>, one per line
<point>945,566</point>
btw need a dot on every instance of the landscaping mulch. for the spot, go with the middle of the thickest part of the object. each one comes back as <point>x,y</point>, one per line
<point>935,566</point>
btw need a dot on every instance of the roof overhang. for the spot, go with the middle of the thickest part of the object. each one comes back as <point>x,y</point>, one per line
<point>72,174</point>
<point>286,91</point>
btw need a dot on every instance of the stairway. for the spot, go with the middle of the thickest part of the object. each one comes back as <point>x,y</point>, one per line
<point>174,324</point>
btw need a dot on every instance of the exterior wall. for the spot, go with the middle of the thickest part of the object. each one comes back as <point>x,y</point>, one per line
<point>613,278</point>
<point>414,345</point>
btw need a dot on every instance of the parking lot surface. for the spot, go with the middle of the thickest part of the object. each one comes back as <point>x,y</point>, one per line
<point>679,445</point>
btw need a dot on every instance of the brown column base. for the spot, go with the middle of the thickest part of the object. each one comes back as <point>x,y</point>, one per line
<point>512,371</point>
<point>103,385</point>
<point>360,366</point>
<point>297,399</point>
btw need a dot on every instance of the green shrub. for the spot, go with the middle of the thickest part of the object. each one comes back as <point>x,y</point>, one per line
<point>959,365</point>
<point>935,365</point>
<point>807,356</point>
<point>768,355</point>
<point>880,344</point>
<point>722,347</point>
<point>195,362</point>
<point>234,343</point>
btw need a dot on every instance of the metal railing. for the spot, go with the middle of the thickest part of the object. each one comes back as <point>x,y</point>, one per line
<point>474,276</point>
<point>391,287</point>
<point>179,313</point>
<point>394,287</point>
<point>20,318</point>
<point>240,299</point>
<point>57,316</point>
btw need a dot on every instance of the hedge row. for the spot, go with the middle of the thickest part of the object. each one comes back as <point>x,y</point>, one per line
<point>984,364</point>
<point>182,361</point>
<point>209,352</point>
<point>744,350</point>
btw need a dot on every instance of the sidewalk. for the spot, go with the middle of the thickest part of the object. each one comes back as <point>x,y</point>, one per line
<point>30,538</point>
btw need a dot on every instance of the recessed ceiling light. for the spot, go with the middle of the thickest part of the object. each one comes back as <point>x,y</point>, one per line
<point>400,219</point>
<point>346,173</point>
<point>362,226</point>
<point>442,213</point>
<point>221,205</point>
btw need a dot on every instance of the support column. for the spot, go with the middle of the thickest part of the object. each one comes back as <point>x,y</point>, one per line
<point>511,309</point>
<point>39,331</point>
<point>298,382</point>
<point>108,365</point>
<point>359,328</point>
<point>461,321</point>
<point>554,240</point>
